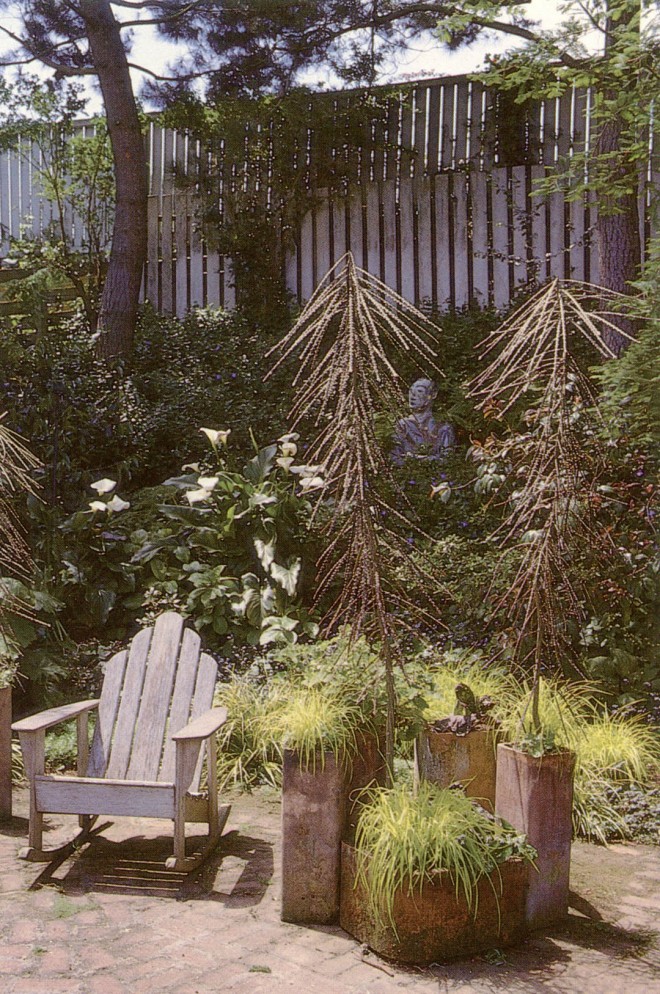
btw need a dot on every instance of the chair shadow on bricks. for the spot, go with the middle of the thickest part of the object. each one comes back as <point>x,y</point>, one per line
<point>237,874</point>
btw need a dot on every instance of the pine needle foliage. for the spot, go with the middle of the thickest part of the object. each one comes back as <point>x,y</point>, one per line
<point>554,453</point>
<point>346,342</point>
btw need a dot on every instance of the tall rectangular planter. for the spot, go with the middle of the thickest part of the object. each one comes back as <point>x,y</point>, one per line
<point>444,758</point>
<point>313,816</point>
<point>5,753</point>
<point>320,808</point>
<point>535,794</point>
<point>436,923</point>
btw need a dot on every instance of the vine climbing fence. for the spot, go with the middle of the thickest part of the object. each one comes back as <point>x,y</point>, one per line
<point>433,186</point>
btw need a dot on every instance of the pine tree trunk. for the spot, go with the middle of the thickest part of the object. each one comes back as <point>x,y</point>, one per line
<point>121,291</point>
<point>618,230</point>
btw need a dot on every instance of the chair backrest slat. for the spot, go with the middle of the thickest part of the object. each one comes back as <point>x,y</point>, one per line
<point>184,688</point>
<point>129,704</point>
<point>107,714</point>
<point>156,698</point>
<point>150,691</point>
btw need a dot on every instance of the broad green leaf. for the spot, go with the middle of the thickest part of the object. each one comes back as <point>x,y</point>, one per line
<point>261,465</point>
<point>287,578</point>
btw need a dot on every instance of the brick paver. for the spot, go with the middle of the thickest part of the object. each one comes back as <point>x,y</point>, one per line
<point>112,920</point>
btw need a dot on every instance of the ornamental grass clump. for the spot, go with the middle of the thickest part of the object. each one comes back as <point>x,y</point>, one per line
<point>249,749</point>
<point>563,710</point>
<point>484,680</point>
<point>405,841</point>
<point>611,751</point>
<point>316,720</point>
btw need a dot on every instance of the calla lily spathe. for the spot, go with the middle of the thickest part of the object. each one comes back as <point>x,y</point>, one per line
<point>117,504</point>
<point>104,486</point>
<point>208,482</point>
<point>196,496</point>
<point>218,437</point>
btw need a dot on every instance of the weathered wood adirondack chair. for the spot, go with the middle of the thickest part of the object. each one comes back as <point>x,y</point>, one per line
<point>154,716</point>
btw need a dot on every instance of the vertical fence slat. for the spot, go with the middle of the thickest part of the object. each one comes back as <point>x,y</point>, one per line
<point>424,250</point>
<point>372,217</point>
<point>519,205</point>
<point>460,154</point>
<point>556,234</point>
<point>406,210</point>
<point>538,229</point>
<point>323,261</point>
<point>499,212</point>
<point>434,129</point>
<point>167,214</point>
<point>182,208</point>
<point>388,197</point>
<point>447,126</point>
<point>577,236</point>
<point>443,241</point>
<point>306,250</point>
<point>462,261</point>
<point>479,197</point>
<point>419,130</point>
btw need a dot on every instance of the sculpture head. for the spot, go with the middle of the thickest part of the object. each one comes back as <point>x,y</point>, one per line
<point>422,394</point>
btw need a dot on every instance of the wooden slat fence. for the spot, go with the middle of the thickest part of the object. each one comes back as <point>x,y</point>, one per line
<point>430,185</point>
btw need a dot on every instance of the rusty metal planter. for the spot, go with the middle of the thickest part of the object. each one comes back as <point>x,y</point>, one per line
<point>320,807</point>
<point>436,923</point>
<point>535,794</point>
<point>444,758</point>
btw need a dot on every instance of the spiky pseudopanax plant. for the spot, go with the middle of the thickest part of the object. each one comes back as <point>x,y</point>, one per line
<point>16,466</point>
<point>346,341</point>
<point>555,454</point>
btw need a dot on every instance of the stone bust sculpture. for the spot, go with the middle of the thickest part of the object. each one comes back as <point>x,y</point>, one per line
<point>419,435</point>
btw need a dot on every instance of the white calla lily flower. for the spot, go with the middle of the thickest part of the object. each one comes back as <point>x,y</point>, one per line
<point>218,437</point>
<point>284,462</point>
<point>194,466</point>
<point>98,505</point>
<point>117,504</point>
<point>308,483</point>
<point>306,470</point>
<point>289,448</point>
<point>195,496</point>
<point>104,486</point>
<point>208,482</point>
<point>292,436</point>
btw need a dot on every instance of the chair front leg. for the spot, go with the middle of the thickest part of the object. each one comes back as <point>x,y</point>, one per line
<point>33,749</point>
<point>212,778</point>
<point>187,752</point>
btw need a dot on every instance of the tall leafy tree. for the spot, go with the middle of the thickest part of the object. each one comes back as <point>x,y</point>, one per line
<point>83,38</point>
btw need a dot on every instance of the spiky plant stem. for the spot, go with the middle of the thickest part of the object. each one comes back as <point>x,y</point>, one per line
<point>555,453</point>
<point>345,340</point>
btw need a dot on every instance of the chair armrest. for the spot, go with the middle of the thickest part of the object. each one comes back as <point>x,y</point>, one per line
<point>202,727</point>
<point>46,719</point>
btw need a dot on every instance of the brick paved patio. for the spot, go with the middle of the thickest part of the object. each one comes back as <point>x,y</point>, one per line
<point>112,920</point>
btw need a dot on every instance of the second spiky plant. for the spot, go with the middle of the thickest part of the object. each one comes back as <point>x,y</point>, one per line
<point>346,341</point>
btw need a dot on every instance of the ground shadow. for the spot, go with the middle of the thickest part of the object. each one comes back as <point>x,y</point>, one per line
<point>537,965</point>
<point>15,827</point>
<point>137,866</point>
